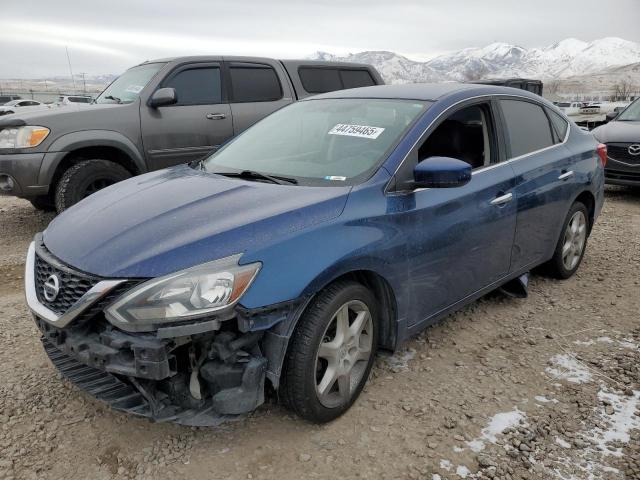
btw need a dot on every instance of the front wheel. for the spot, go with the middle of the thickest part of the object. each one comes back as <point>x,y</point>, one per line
<point>85,178</point>
<point>331,352</point>
<point>572,243</point>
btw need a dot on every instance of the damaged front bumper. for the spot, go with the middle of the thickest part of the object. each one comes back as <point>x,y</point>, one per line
<point>199,374</point>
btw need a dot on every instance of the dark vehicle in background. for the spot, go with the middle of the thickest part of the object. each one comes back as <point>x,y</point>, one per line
<point>155,115</point>
<point>622,137</point>
<point>340,224</point>
<point>7,98</point>
<point>533,86</point>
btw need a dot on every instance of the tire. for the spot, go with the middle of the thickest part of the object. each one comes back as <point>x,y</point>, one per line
<point>85,178</point>
<point>559,266</point>
<point>43,202</point>
<point>319,389</point>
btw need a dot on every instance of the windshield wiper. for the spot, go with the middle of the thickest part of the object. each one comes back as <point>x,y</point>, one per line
<point>115,99</point>
<point>253,175</point>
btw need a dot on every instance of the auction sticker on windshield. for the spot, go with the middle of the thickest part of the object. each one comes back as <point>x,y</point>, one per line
<point>361,131</point>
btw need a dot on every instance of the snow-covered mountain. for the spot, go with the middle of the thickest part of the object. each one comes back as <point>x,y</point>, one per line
<point>568,58</point>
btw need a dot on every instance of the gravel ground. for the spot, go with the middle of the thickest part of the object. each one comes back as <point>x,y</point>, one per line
<point>541,388</point>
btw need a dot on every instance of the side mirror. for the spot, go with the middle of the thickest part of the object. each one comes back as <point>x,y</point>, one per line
<point>441,172</point>
<point>162,97</point>
<point>611,116</point>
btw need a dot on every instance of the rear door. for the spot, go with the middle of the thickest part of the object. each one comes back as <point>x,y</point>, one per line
<point>255,91</point>
<point>194,126</point>
<point>541,162</point>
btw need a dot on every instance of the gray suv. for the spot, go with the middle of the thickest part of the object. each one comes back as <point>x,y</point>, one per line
<point>157,114</point>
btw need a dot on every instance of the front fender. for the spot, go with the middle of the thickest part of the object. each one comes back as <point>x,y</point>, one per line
<point>83,139</point>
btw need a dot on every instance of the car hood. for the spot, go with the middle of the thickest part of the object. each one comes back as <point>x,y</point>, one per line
<point>165,221</point>
<point>48,114</point>
<point>613,132</point>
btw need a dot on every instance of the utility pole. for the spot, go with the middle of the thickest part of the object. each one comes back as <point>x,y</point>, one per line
<point>84,83</point>
<point>70,70</point>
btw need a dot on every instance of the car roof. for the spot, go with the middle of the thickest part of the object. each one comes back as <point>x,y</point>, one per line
<point>425,91</point>
<point>237,58</point>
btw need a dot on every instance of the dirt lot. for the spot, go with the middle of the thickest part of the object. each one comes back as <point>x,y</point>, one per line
<point>542,388</point>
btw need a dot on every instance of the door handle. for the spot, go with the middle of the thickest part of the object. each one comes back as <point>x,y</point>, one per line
<point>566,175</point>
<point>216,116</point>
<point>502,199</point>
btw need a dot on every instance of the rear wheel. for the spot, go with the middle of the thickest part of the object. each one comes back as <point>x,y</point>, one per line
<point>331,352</point>
<point>572,243</point>
<point>85,178</point>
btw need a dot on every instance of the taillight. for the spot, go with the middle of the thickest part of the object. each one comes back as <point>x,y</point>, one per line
<point>602,153</point>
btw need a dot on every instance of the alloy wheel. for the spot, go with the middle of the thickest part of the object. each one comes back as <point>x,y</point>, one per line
<point>575,237</point>
<point>344,353</point>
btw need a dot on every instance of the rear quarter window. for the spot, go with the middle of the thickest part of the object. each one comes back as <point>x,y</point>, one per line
<point>527,126</point>
<point>356,78</point>
<point>320,79</point>
<point>559,124</point>
<point>328,79</point>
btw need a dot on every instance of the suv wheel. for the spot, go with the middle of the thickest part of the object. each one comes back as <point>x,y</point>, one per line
<point>85,178</point>
<point>331,352</point>
<point>572,243</point>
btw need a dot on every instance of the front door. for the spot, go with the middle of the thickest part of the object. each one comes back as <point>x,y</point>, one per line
<point>197,124</point>
<point>460,238</point>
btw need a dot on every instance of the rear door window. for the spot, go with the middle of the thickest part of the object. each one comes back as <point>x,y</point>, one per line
<point>254,83</point>
<point>197,86</point>
<point>527,126</point>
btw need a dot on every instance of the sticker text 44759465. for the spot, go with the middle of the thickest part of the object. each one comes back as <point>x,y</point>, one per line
<point>362,131</point>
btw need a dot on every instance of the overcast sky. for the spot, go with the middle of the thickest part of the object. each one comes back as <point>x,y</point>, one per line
<point>109,36</point>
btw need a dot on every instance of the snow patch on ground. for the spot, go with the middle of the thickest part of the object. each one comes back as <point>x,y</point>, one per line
<point>569,369</point>
<point>462,471</point>
<point>498,424</point>
<point>624,343</point>
<point>543,399</point>
<point>619,424</point>
<point>614,428</point>
<point>400,360</point>
<point>445,464</point>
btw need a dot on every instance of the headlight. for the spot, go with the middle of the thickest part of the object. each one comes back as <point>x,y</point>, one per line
<point>185,295</point>
<point>22,137</point>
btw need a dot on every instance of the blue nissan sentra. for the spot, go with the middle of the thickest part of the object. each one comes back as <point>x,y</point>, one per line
<point>282,262</point>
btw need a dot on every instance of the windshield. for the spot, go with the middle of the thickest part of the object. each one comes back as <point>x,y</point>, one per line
<point>320,142</point>
<point>127,87</point>
<point>631,114</point>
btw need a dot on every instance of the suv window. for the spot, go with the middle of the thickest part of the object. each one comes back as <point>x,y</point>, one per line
<point>356,78</point>
<point>323,79</point>
<point>527,126</point>
<point>197,86</point>
<point>254,83</point>
<point>466,135</point>
<point>559,124</point>
<point>320,80</point>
